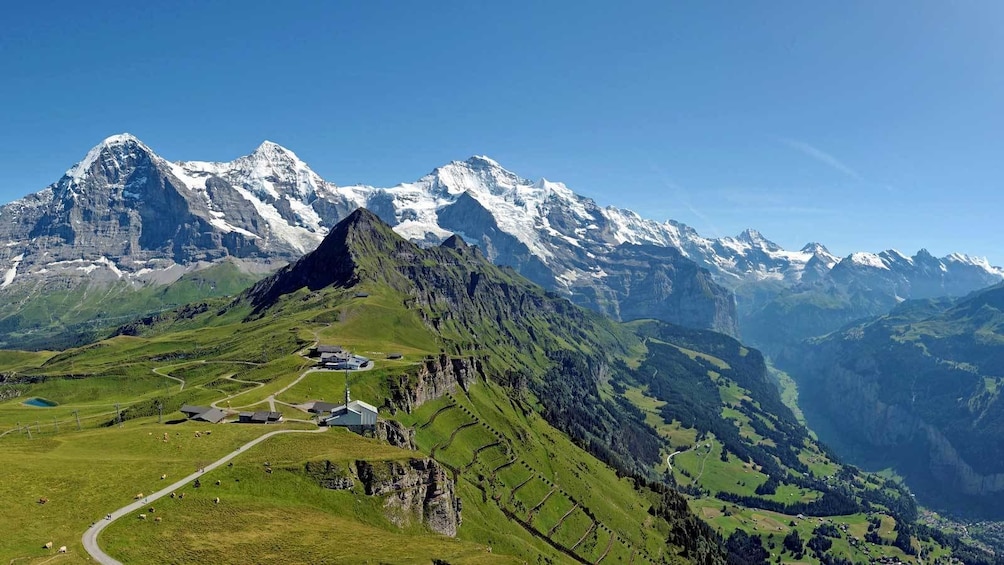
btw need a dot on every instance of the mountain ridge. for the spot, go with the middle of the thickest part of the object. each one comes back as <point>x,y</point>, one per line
<point>125,213</point>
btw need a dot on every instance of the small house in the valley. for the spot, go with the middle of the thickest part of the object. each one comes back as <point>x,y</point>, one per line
<point>322,349</point>
<point>260,417</point>
<point>203,413</point>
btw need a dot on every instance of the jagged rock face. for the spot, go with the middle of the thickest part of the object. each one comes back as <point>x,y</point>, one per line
<point>647,281</point>
<point>417,489</point>
<point>434,379</point>
<point>396,434</point>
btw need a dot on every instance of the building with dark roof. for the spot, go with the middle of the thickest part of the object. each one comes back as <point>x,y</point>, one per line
<point>320,407</point>
<point>203,413</point>
<point>260,417</point>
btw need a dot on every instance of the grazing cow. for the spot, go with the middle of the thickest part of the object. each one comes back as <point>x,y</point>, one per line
<point>62,549</point>
<point>48,545</point>
<point>218,482</point>
<point>152,510</point>
<point>216,500</point>
<point>43,500</point>
<point>174,494</point>
<point>182,495</point>
<point>162,477</point>
<point>197,434</point>
<point>157,519</point>
<point>142,516</point>
<point>138,496</point>
<point>269,470</point>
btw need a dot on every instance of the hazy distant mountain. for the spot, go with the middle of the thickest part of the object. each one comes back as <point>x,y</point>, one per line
<point>917,389</point>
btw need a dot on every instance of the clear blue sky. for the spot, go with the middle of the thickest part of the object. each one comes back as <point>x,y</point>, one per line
<point>862,125</point>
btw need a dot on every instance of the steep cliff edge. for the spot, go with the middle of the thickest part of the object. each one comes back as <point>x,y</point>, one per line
<point>433,378</point>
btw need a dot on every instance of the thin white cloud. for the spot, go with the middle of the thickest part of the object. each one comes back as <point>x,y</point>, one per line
<point>681,196</point>
<point>821,156</point>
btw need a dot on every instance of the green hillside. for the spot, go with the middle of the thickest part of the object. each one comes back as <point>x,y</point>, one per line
<point>551,424</point>
<point>80,312</point>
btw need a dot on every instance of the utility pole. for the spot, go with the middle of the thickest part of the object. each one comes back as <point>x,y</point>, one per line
<point>55,424</point>
<point>77,415</point>
<point>160,412</point>
<point>28,429</point>
<point>38,427</point>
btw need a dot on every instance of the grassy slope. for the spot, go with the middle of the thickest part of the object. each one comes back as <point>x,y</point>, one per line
<point>298,516</point>
<point>535,476</point>
<point>700,467</point>
<point>81,313</point>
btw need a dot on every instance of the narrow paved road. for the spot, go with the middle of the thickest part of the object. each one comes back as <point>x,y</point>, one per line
<point>90,539</point>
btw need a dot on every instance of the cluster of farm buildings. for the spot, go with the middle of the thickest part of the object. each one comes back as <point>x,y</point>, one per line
<point>354,414</point>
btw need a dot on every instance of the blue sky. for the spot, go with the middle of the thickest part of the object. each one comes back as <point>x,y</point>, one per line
<point>862,125</point>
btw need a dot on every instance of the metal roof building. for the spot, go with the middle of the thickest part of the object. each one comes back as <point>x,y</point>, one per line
<point>355,413</point>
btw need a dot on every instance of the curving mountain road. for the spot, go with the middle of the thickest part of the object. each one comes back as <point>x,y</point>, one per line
<point>90,539</point>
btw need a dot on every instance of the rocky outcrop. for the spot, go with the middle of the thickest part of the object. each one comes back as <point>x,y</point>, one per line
<point>330,475</point>
<point>649,281</point>
<point>433,379</point>
<point>413,490</point>
<point>396,434</point>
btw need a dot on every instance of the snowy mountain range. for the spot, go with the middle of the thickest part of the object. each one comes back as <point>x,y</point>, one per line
<point>124,213</point>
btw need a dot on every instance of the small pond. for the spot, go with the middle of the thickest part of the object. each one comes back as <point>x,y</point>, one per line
<point>40,403</point>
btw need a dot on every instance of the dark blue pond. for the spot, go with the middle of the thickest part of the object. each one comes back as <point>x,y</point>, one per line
<point>40,403</point>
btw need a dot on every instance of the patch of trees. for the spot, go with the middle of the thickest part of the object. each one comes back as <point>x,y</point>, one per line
<point>827,530</point>
<point>746,549</point>
<point>699,541</point>
<point>768,488</point>
<point>833,503</point>
<point>794,544</point>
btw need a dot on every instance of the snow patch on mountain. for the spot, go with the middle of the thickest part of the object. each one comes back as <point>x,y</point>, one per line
<point>8,277</point>
<point>867,260</point>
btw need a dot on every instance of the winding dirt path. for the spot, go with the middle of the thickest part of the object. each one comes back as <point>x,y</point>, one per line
<point>157,371</point>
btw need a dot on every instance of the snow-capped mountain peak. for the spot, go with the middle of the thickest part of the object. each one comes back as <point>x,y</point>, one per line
<point>110,149</point>
<point>756,239</point>
<point>815,248</point>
